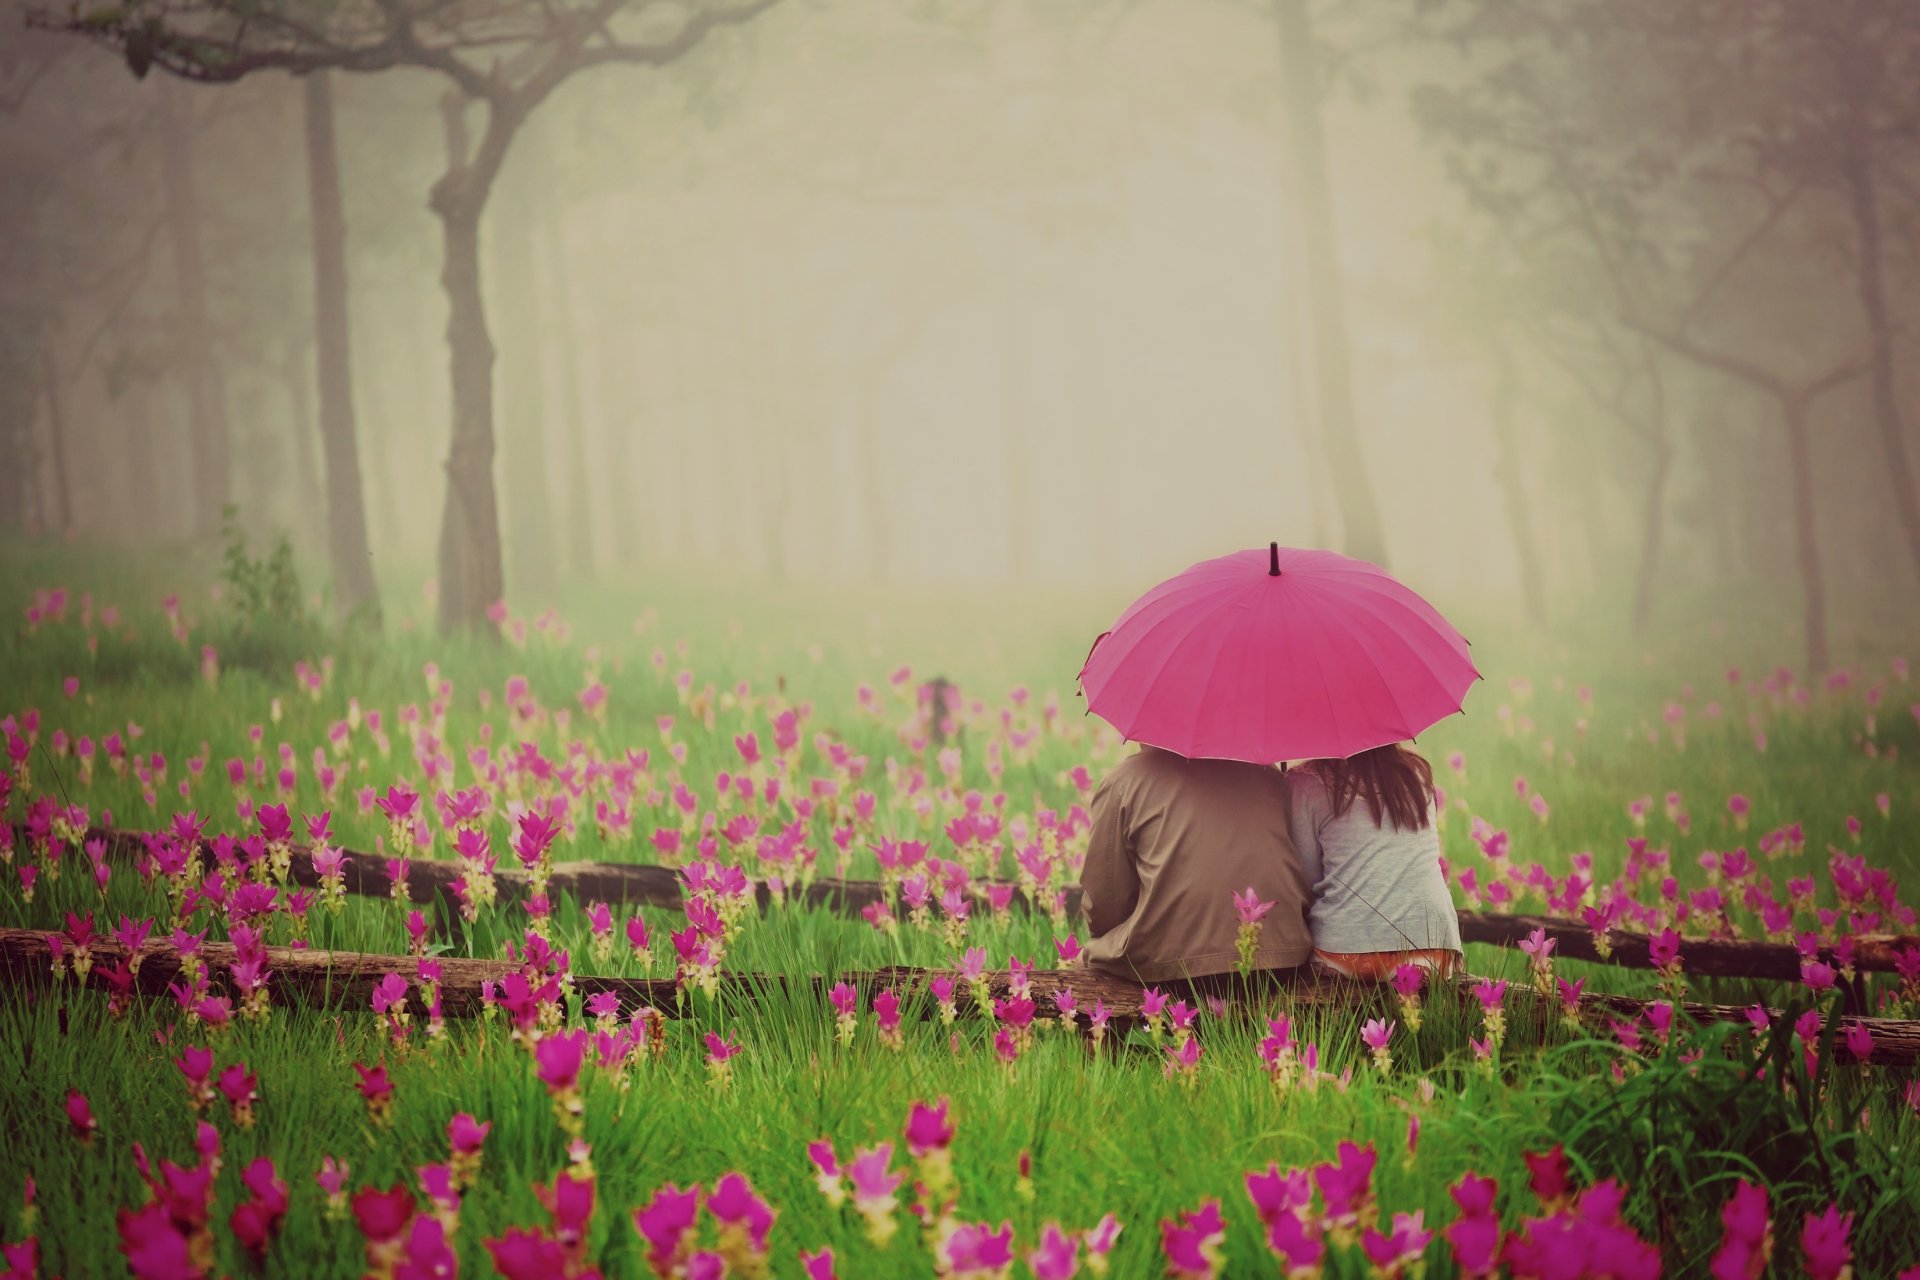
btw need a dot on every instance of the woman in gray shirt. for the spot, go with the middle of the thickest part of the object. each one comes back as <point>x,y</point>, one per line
<point>1363,828</point>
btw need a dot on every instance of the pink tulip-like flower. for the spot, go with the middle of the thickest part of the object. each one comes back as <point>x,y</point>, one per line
<point>376,1089</point>
<point>1376,1035</point>
<point>1068,948</point>
<point>1475,1235</point>
<point>874,1186</point>
<point>1824,1244</point>
<point>1192,1243</point>
<point>975,1251</point>
<point>558,1058</point>
<point>1746,1235</point>
<point>1392,1253</point>
<point>928,1129</point>
<point>80,1117</point>
<point>744,1218</point>
<point>465,1135</point>
<point>1275,1193</point>
<point>1183,1059</point>
<point>1249,908</point>
<point>818,1266</point>
<point>1099,1241</point>
<point>665,1222</point>
<point>1057,1257</point>
<point>1346,1185</point>
<point>1859,1042</point>
<point>720,1055</point>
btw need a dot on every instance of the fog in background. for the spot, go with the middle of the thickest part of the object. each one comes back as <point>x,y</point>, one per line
<point>986,292</point>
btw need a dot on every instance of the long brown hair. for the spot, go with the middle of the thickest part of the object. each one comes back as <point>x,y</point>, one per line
<point>1396,783</point>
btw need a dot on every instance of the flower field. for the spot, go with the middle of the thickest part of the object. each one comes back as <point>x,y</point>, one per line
<point>844,1032</point>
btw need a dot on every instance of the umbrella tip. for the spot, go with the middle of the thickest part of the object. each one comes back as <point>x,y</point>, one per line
<point>1273,559</point>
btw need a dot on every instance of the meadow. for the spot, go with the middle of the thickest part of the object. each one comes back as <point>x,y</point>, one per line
<point>934,743</point>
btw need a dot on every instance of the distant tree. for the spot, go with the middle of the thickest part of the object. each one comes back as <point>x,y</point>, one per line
<point>1364,535</point>
<point>506,59</point>
<point>348,549</point>
<point>1631,136</point>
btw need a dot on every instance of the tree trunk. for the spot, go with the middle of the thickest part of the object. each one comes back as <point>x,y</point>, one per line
<point>206,396</point>
<point>1513,489</point>
<point>569,416</point>
<point>299,383</point>
<point>348,550</point>
<point>1870,277</point>
<point>528,427</point>
<point>470,576</point>
<point>57,442</point>
<point>1653,523</point>
<point>1359,513</point>
<point>1806,533</point>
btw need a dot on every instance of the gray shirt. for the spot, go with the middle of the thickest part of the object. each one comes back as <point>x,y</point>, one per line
<point>1375,888</point>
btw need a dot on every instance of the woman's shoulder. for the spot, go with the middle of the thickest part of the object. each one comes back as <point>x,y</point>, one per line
<point>1304,782</point>
<point>1306,774</point>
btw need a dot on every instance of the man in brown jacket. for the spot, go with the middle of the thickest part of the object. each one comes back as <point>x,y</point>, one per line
<point>1173,840</point>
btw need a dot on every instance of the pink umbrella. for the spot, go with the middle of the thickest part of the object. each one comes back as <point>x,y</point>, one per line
<point>1277,655</point>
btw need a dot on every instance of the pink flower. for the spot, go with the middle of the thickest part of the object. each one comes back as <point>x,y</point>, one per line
<point>844,999</point>
<point>1491,993</point>
<point>928,1129</point>
<point>1664,948</point>
<point>720,1050</point>
<point>1823,1241</point>
<point>1538,947</point>
<point>818,1266</point>
<point>1346,1182</point>
<point>977,1250</point>
<point>1859,1041</point>
<point>1249,907</point>
<point>558,1057</point>
<point>384,1215</point>
<point>1743,1244</point>
<point>1406,1244</point>
<point>80,1116</point>
<point>1192,1244</point>
<point>1547,1175</point>
<point>1475,1235</point>
<point>1057,1257</point>
<point>734,1205</point>
<point>664,1222</point>
<point>1376,1033</point>
<point>465,1134</point>
<point>1408,979</point>
<point>873,1184</point>
<point>1274,1193</point>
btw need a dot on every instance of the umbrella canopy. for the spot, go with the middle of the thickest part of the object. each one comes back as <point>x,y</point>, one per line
<point>1280,654</point>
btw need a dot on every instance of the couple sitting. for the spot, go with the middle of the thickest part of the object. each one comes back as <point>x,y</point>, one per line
<point>1346,850</point>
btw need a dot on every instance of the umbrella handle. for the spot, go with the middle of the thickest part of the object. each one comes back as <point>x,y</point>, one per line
<point>1273,559</point>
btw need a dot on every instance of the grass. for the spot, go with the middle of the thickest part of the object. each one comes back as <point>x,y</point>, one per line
<point>1105,1130</point>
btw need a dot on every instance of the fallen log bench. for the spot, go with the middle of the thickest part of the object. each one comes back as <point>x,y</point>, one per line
<point>346,981</point>
<point>646,884</point>
<point>616,883</point>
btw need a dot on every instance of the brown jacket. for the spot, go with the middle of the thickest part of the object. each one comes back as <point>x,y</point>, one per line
<point>1173,839</point>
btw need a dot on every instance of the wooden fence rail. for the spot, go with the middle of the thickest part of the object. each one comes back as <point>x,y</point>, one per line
<point>633,884</point>
<point>346,981</point>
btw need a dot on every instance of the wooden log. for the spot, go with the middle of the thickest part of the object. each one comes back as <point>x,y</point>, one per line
<point>633,884</point>
<point>346,980</point>
<point>618,883</point>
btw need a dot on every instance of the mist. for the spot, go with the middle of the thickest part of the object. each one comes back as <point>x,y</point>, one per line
<point>956,295</point>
